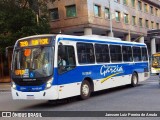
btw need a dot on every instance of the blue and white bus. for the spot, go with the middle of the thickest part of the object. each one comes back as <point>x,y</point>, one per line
<point>50,67</point>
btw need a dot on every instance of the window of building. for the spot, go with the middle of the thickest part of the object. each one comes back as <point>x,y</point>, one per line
<point>144,54</point>
<point>117,1</point>
<point>54,14</point>
<point>145,7</point>
<point>107,13</point>
<point>97,10</point>
<point>85,53</point>
<point>147,24</point>
<point>140,22</point>
<point>117,14</point>
<point>133,20</point>
<point>156,11</point>
<point>139,5</point>
<point>127,53</point>
<point>126,18</point>
<point>137,54</point>
<point>115,53</point>
<point>133,3</point>
<point>71,11</point>
<point>152,24</point>
<point>151,9</point>
<point>157,25</point>
<point>125,2</point>
<point>102,53</point>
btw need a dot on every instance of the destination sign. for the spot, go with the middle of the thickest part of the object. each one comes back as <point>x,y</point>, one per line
<point>157,55</point>
<point>19,72</point>
<point>34,42</point>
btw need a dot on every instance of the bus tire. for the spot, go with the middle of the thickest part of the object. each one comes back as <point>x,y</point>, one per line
<point>85,90</point>
<point>134,80</point>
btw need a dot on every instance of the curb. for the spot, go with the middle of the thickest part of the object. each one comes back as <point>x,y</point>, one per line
<point>5,87</point>
<point>5,90</point>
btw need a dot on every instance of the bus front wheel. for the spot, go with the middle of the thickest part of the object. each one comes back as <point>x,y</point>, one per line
<point>85,90</point>
<point>134,80</point>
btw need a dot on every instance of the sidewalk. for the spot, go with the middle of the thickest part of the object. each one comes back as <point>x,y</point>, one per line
<point>5,87</point>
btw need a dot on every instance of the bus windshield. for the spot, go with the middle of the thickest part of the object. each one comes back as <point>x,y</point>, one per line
<point>33,62</point>
<point>156,61</point>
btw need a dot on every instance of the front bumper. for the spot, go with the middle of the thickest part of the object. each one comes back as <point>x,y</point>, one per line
<point>49,94</point>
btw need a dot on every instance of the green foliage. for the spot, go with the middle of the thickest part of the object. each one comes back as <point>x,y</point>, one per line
<point>17,21</point>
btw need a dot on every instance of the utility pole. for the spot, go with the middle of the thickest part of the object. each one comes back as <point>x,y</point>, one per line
<point>110,15</point>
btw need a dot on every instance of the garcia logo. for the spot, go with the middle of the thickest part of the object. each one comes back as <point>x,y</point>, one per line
<point>111,69</point>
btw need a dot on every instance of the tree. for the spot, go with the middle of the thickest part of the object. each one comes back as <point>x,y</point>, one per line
<point>18,19</point>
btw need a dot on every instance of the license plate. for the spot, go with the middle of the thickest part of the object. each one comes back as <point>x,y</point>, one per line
<point>30,97</point>
<point>146,75</point>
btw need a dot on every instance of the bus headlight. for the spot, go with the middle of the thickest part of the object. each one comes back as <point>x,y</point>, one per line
<point>49,83</point>
<point>13,85</point>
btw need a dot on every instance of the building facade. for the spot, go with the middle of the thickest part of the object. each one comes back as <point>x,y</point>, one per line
<point>126,19</point>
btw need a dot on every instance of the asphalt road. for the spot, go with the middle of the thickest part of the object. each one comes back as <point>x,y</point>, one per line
<point>144,97</point>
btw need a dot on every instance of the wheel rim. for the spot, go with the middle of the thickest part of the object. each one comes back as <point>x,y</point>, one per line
<point>85,90</point>
<point>134,79</point>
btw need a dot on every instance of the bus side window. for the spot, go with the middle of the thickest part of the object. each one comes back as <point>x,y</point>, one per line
<point>102,53</point>
<point>83,58</point>
<point>144,54</point>
<point>85,53</point>
<point>137,54</point>
<point>68,59</point>
<point>115,52</point>
<point>127,53</point>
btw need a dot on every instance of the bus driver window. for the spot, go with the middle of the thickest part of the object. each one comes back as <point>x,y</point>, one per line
<point>66,58</point>
<point>61,64</point>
